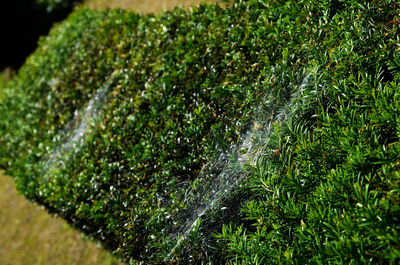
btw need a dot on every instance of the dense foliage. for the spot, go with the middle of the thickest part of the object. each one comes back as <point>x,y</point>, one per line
<point>176,90</point>
<point>187,84</point>
<point>331,195</point>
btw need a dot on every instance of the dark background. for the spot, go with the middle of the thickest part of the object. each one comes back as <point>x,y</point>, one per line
<point>22,23</point>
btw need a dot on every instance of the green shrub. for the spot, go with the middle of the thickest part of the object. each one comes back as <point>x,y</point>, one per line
<point>176,88</point>
<point>331,194</point>
<point>183,88</point>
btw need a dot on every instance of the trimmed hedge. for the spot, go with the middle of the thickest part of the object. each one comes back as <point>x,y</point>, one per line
<point>183,88</point>
<point>177,90</point>
<point>331,193</point>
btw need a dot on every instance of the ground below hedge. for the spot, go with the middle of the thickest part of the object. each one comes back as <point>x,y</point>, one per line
<point>29,235</point>
<point>141,6</point>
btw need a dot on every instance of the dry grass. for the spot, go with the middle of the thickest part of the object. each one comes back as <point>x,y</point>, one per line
<point>144,6</point>
<point>30,236</point>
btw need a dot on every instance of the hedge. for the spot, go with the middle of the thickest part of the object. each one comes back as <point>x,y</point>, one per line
<point>331,193</point>
<point>315,81</point>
